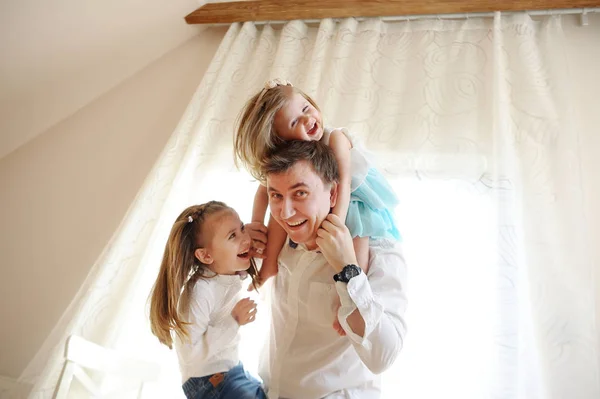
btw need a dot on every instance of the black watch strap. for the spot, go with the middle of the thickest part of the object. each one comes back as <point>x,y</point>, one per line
<point>347,273</point>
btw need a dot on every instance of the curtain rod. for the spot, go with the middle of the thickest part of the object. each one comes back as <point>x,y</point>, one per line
<point>565,11</point>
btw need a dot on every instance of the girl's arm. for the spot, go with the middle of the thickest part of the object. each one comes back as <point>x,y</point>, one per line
<point>275,234</point>
<point>261,201</point>
<point>341,146</point>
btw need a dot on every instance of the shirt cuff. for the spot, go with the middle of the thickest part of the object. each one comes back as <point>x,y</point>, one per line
<point>357,294</point>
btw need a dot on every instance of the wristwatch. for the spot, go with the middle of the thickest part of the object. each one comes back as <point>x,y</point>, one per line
<point>347,273</point>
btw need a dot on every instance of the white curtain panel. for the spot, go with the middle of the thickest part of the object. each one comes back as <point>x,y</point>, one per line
<point>471,121</point>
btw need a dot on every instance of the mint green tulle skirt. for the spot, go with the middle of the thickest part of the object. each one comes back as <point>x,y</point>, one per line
<point>370,213</point>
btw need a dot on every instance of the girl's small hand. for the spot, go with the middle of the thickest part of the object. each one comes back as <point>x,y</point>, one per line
<point>244,311</point>
<point>335,243</point>
<point>258,234</point>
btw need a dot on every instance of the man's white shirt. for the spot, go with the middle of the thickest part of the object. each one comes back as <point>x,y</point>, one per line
<point>305,357</point>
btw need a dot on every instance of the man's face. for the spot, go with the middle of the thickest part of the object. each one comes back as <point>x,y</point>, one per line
<point>300,201</point>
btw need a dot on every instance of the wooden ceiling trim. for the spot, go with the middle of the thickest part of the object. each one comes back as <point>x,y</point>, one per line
<point>286,10</point>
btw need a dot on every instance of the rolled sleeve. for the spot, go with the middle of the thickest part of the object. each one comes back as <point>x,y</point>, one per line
<point>381,300</point>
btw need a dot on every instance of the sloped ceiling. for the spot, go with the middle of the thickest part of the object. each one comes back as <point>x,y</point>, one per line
<point>57,56</point>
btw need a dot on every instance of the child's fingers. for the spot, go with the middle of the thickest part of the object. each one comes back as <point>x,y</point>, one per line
<point>252,314</point>
<point>246,306</point>
<point>248,316</point>
<point>243,305</point>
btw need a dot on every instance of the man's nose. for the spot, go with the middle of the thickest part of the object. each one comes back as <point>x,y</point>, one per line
<point>287,209</point>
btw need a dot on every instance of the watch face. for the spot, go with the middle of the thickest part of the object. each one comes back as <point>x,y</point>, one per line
<point>351,271</point>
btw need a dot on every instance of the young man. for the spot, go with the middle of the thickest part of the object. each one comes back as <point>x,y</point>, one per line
<point>318,281</point>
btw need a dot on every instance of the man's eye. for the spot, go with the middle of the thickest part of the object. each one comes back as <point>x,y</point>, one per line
<point>275,196</point>
<point>232,236</point>
<point>301,193</point>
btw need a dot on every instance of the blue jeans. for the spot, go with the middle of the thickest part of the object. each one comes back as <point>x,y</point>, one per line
<point>236,383</point>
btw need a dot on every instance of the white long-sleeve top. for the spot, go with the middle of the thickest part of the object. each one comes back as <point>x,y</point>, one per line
<point>306,358</point>
<point>213,333</point>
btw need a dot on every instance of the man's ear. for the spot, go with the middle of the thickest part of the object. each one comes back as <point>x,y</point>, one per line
<point>333,193</point>
<point>203,256</point>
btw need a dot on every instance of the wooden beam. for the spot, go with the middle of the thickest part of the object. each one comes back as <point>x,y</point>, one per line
<point>285,10</point>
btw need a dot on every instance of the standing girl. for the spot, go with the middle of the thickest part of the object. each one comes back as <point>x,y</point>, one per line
<point>197,296</point>
<point>281,112</point>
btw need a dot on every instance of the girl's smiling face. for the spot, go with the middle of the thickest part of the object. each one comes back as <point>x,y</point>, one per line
<point>298,120</point>
<point>226,243</point>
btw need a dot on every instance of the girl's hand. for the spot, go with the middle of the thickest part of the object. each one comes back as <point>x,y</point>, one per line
<point>258,234</point>
<point>335,243</point>
<point>244,311</point>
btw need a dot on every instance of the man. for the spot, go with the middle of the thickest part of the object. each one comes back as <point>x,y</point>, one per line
<point>306,357</point>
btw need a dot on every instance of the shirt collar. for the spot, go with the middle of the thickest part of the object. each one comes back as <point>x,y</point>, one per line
<point>224,279</point>
<point>297,246</point>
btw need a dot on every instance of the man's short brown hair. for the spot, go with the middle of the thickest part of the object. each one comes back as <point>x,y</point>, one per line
<point>316,153</point>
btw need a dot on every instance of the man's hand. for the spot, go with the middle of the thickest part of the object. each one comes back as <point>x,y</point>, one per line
<point>258,234</point>
<point>335,243</point>
<point>244,311</point>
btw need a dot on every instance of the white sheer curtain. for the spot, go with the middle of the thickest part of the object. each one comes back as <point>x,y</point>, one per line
<point>472,122</point>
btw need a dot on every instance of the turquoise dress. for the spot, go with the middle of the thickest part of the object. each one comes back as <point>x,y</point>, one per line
<point>372,199</point>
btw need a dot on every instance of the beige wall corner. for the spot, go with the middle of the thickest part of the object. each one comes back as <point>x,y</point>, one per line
<point>13,389</point>
<point>64,193</point>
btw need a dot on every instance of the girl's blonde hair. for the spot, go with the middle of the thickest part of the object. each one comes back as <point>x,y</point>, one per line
<point>256,136</point>
<point>180,270</point>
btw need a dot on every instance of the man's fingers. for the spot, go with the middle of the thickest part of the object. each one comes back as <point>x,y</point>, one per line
<point>257,253</point>
<point>257,227</point>
<point>259,246</point>
<point>259,238</point>
<point>322,233</point>
<point>334,219</point>
<point>257,231</point>
<point>262,228</point>
<point>327,225</point>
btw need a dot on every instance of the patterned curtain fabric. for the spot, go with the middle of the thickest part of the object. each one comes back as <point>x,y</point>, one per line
<point>472,122</point>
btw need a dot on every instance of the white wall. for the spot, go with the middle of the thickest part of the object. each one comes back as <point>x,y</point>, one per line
<point>64,193</point>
